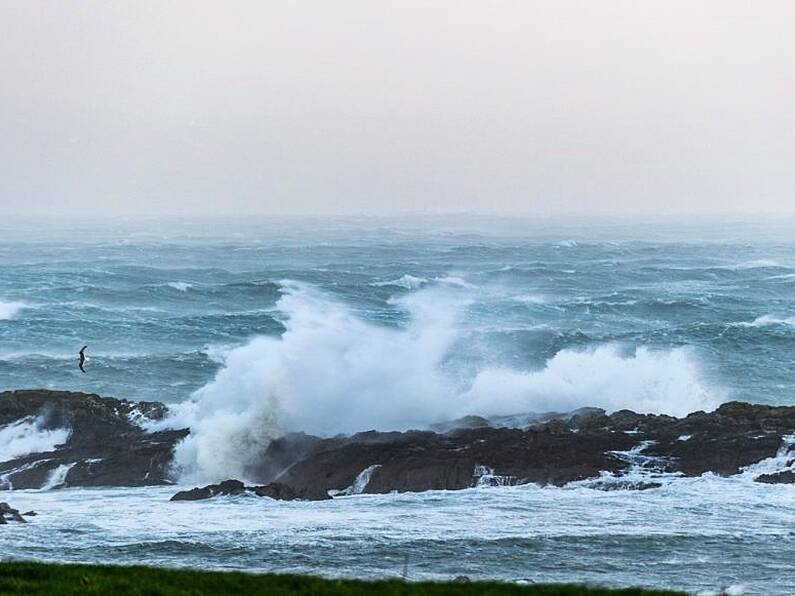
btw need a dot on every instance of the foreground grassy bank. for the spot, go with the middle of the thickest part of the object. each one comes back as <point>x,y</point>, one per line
<point>40,578</point>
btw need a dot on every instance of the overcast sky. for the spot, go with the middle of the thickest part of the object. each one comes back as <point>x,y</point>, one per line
<point>340,106</point>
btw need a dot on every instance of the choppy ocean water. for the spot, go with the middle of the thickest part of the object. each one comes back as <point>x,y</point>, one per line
<point>345,325</point>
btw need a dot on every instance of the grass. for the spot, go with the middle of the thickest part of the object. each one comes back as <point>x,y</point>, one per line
<point>64,580</point>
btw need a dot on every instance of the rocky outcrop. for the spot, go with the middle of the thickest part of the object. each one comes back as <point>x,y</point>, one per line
<point>274,490</point>
<point>103,446</point>
<point>101,443</point>
<point>556,451</point>
<point>227,487</point>
<point>14,514</point>
<point>785,477</point>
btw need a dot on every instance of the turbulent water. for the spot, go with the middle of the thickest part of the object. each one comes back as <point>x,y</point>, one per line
<point>255,328</point>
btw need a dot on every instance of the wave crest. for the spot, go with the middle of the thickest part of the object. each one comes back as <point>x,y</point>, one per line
<point>331,372</point>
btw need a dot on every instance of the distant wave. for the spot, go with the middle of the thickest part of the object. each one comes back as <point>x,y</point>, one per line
<point>768,321</point>
<point>8,310</point>
<point>77,305</point>
<point>332,372</point>
<point>410,282</point>
<point>529,299</point>
<point>758,264</point>
<point>179,285</point>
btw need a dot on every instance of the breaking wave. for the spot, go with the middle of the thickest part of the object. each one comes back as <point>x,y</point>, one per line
<point>28,435</point>
<point>180,286</point>
<point>408,282</point>
<point>768,321</point>
<point>332,372</point>
<point>8,310</point>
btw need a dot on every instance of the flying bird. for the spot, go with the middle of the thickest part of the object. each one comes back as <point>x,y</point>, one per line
<point>81,359</point>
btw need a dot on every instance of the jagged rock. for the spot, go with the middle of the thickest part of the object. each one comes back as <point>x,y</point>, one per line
<point>785,477</point>
<point>227,487</point>
<point>590,419</point>
<point>274,490</point>
<point>105,447</point>
<point>549,452</point>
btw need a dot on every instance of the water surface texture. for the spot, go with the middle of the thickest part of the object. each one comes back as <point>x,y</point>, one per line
<point>347,325</point>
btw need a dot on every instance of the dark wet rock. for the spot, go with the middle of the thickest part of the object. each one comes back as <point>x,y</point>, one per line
<point>590,419</point>
<point>227,487</point>
<point>619,484</point>
<point>732,437</point>
<point>274,490</point>
<point>554,451</point>
<point>420,460</point>
<point>465,422</point>
<point>105,446</point>
<point>785,477</point>
<point>30,514</point>
<point>284,492</point>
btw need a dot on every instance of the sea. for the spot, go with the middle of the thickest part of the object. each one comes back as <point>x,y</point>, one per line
<point>250,327</point>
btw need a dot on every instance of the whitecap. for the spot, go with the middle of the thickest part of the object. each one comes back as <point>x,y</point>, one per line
<point>8,310</point>
<point>768,321</point>
<point>179,285</point>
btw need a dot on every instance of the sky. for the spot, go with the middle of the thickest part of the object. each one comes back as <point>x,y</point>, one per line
<point>389,107</point>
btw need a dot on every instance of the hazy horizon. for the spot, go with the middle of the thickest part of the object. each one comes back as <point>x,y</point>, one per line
<point>500,108</point>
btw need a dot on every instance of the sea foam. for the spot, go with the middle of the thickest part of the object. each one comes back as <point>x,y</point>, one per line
<point>332,372</point>
<point>28,435</point>
<point>8,310</point>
